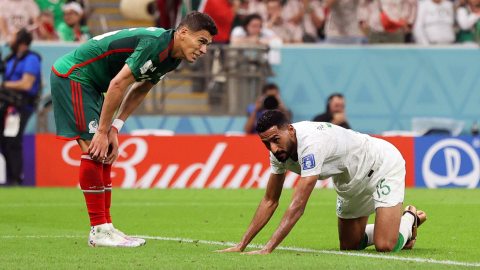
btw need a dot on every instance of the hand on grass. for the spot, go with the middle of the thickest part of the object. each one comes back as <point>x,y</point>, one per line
<point>232,249</point>
<point>255,252</point>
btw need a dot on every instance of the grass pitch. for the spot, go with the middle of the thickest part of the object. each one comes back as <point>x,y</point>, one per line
<point>48,229</point>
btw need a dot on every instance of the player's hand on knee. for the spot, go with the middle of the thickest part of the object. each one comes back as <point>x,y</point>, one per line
<point>98,147</point>
<point>112,153</point>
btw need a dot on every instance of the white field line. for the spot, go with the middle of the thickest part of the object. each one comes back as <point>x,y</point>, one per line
<point>358,254</point>
<point>134,204</point>
<point>141,204</point>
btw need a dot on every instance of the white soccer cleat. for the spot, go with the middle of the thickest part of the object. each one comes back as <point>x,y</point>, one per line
<point>126,237</point>
<point>100,236</point>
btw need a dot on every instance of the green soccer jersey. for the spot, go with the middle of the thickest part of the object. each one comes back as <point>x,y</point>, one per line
<point>96,62</point>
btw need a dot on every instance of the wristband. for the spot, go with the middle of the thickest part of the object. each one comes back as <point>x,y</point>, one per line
<point>117,124</point>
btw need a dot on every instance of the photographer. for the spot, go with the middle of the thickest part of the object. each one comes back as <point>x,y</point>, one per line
<point>269,100</point>
<point>18,97</point>
<point>334,111</point>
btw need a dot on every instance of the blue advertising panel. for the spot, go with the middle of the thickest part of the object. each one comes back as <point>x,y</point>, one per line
<point>447,162</point>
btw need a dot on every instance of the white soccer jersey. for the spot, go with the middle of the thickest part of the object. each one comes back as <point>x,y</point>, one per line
<point>355,161</point>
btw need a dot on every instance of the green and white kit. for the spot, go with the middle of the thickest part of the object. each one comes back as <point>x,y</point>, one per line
<point>367,172</point>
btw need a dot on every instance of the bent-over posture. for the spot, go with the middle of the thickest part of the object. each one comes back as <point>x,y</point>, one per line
<point>368,174</point>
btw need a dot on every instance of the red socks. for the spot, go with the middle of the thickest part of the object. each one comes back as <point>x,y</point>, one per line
<point>91,174</point>
<point>107,181</point>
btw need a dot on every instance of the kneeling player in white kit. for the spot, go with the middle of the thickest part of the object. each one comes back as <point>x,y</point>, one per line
<point>368,174</point>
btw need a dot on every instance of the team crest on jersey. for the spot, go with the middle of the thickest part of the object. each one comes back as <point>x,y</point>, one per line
<point>93,126</point>
<point>308,162</point>
<point>339,206</point>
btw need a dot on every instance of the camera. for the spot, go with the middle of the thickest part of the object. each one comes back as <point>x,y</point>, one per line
<point>270,103</point>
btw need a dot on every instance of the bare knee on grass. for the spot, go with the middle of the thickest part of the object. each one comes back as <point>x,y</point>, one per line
<point>387,224</point>
<point>386,245</point>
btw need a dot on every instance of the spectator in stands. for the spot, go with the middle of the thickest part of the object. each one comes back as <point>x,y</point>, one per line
<point>307,15</point>
<point>168,11</point>
<point>286,31</point>
<point>256,7</point>
<point>55,7</point>
<point>16,14</point>
<point>434,23</point>
<point>387,21</point>
<point>342,25</point>
<point>249,7</point>
<point>252,32</point>
<point>223,13</point>
<point>87,10</point>
<point>44,28</point>
<point>71,29</point>
<point>468,19</point>
<point>269,100</point>
<point>335,111</point>
<point>18,97</point>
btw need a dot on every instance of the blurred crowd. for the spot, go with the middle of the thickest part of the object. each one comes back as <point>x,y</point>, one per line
<point>262,21</point>
<point>49,20</point>
<point>345,21</point>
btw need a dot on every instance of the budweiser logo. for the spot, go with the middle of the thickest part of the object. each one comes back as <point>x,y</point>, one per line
<point>138,166</point>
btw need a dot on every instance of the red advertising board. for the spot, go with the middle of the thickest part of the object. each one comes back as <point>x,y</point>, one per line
<point>406,146</point>
<point>177,162</point>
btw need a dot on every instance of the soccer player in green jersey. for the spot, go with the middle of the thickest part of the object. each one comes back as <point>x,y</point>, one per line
<point>110,63</point>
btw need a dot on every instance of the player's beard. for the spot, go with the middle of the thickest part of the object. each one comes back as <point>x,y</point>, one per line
<point>283,156</point>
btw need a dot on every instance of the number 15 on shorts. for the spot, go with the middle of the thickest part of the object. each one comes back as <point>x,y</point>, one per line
<point>383,189</point>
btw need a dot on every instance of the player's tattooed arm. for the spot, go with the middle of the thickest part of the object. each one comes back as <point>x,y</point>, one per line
<point>264,212</point>
<point>301,194</point>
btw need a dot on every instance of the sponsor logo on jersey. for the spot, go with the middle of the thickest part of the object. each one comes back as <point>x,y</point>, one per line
<point>308,162</point>
<point>461,166</point>
<point>93,126</point>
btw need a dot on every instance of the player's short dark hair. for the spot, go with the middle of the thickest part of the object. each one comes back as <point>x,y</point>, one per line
<point>270,119</point>
<point>196,21</point>
<point>269,86</point>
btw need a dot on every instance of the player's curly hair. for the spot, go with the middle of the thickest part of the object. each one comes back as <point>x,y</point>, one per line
<point>271,118</point>
<point>196,21</point>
